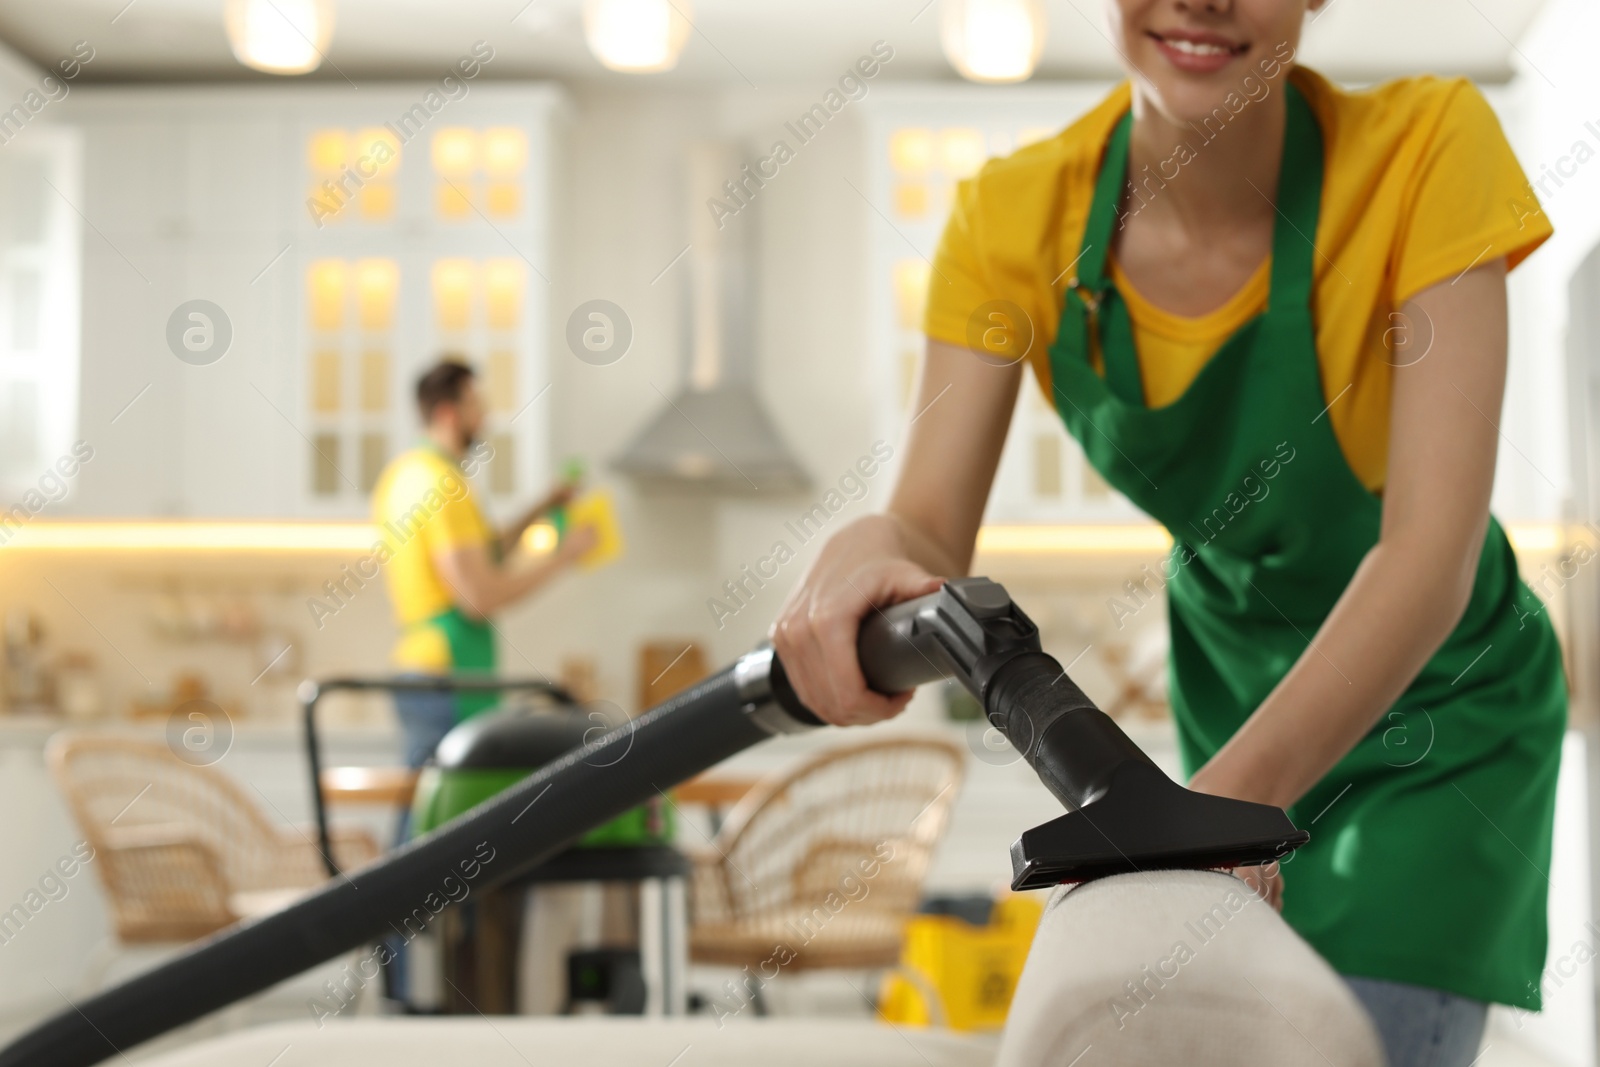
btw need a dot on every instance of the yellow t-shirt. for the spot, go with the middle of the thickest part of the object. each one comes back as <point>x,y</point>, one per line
<point>423,504</point>
<point>1419,184</point>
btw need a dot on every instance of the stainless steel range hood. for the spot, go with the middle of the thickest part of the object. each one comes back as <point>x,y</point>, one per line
<point>715,435</point>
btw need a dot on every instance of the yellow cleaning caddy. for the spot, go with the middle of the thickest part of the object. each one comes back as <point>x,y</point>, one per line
<point>958,975</point>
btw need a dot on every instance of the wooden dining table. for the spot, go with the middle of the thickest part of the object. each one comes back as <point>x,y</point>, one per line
<point>395,786</point>
<point>388,786</point>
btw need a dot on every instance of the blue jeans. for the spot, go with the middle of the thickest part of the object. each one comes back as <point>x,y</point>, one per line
<point>1422,1027</point>
<point>424,720</point>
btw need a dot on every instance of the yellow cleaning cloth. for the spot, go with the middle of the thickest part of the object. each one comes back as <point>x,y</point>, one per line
<point>596,509</point>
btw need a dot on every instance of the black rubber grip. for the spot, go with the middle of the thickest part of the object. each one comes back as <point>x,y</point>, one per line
<point>516,830</point>
<point>1071,743</point>
<point>787,698</point>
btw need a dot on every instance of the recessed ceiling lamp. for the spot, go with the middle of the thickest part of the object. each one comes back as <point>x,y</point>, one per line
<point>993,40</point>
<point>637,36</point>
<point>279,36</point>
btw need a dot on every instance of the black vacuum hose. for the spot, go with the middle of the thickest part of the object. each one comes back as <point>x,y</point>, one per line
<point>1033,702</point>
<point>516,830</point>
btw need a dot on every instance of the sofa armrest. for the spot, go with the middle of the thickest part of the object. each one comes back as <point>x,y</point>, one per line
<point>1179,967</point>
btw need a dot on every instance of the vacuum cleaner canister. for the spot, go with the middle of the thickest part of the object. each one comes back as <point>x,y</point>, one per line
<point>1124,814</point>
<point>489,753</point>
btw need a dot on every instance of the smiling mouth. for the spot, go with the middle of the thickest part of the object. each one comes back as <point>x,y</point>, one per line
<point>1200,46</point>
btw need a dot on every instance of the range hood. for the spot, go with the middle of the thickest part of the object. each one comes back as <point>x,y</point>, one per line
<point>715,435</point>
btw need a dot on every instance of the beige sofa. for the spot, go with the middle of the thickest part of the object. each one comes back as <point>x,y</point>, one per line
<point>587,1042</point>
<point>1178,968</point>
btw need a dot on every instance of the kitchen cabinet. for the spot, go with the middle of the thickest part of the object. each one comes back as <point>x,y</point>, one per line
<point>920,142</point>
<point>341,242</point>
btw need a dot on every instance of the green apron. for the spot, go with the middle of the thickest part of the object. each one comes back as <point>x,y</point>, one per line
<point>472,649</point>
<point>471,653</point>
<point>1430,841</point>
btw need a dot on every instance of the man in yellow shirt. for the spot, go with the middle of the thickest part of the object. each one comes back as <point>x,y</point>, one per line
<point>447,567</point>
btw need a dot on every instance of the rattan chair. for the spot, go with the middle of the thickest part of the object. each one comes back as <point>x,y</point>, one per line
<point>182,850</point>
<point>821,865</point>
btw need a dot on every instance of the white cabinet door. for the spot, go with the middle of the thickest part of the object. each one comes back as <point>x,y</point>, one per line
<point>238,438</point>
<point>135,179</point>
<point>240,171</point>
<point>133,394</point>
<point>457,237</point>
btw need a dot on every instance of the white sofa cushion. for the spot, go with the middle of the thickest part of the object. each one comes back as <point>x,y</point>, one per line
<point>608,1041</point>
<point>1171,968</point>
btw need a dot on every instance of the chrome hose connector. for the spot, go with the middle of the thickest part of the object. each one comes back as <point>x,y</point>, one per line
<point>752,678</point>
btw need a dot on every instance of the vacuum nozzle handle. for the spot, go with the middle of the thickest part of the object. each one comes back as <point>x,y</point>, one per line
<point>971,630</point>
<point>962,631</point>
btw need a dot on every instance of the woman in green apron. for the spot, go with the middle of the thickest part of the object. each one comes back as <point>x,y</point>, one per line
<point>1349,636</point>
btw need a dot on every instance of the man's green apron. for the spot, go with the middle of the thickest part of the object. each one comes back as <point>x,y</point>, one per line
<point>471,654</point>
<point>472,649</point>
<point>1430,841</point>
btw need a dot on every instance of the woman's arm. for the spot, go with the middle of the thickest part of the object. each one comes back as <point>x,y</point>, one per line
<point>958,428</point>
<point>953,444</point>
<point>1414,584</point>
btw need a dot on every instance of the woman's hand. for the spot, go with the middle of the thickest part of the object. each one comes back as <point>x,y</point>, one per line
<point>1265,881</point>
<point>863,568</point>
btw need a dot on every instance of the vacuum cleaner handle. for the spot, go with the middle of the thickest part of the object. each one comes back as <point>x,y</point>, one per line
<point>972,631</point>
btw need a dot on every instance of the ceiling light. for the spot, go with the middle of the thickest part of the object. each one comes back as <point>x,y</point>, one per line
<point>993,40</point>
<point>279,36</point>
<point>636,36</point>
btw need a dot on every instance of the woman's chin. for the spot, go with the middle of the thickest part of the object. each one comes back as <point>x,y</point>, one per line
<point>1187,105</point>
<point>1185,99</point>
